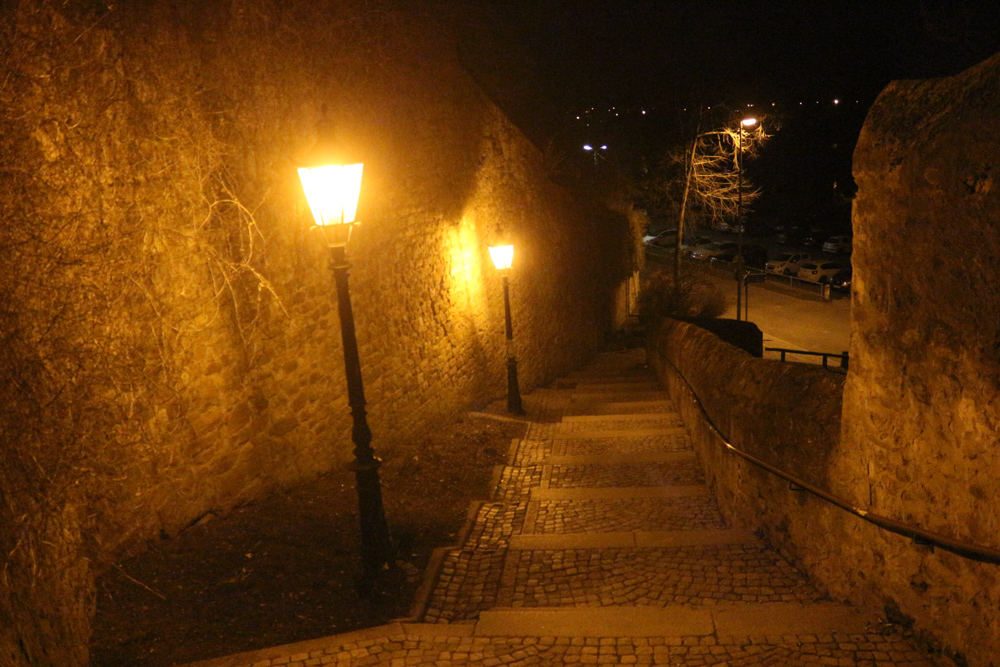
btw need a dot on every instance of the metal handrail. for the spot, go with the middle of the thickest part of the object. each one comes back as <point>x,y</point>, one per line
<point>975,552</point>
<point>843,356</point>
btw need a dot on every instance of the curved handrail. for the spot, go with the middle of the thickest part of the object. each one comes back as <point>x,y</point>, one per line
<point>919,535</point>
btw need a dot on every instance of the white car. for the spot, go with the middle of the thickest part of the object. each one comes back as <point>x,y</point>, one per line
<point>838,244</point>
<point>787,263</point>
<point>820,272</point>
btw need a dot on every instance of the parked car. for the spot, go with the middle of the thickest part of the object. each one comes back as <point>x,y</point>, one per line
<point>791,236</point>
<point>814,238</point>
<point>820,272</point>
<point>695,242</point>
<point>726,227</point>
<point>838,245</point>
<point>787,263</point>
<point>753,255</point>
<point>709,251</point>
<point>841,281</point>
<point>666,239</point>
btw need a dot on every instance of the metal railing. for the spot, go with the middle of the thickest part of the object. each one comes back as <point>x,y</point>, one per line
<point>918,535</point>
<point>843,356</point>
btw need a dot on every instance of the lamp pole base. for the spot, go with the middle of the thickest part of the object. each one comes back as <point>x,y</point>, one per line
<point>513,390</point>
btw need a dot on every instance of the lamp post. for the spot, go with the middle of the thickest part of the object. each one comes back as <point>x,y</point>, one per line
<point>332,192</point>
<point>740,269</point>
<point>503,256</point>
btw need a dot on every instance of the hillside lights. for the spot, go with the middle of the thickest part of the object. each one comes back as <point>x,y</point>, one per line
<point>332,192</point>
<point>503,256</point>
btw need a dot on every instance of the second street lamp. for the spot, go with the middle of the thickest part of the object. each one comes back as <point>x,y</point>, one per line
<point>332,192</point>
<point>746,123</point>
<point>503,256</point>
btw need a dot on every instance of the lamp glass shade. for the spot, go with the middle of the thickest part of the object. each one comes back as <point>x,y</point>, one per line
<point>502,256</point>
<point>332,192</point>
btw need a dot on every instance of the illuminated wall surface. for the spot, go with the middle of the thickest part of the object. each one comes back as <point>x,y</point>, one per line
<point>170,337</point>
<point>922,403</point>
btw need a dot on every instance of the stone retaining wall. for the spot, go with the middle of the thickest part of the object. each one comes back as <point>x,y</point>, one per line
<point>789,415</point>
<point>170,340</point>
<point>922,402</point>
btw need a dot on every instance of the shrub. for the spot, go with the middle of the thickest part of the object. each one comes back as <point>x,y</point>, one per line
<point>690,297</point>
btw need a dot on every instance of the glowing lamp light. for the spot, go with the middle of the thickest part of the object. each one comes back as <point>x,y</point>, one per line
<point>332,192</point>
<point>502,256</point>
<point>588,147</point>
<point>748,122</point>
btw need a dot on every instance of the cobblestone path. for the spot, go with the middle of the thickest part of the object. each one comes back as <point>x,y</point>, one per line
<point>603,545</point>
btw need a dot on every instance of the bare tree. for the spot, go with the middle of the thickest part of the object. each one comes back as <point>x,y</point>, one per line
<point>713,179</point>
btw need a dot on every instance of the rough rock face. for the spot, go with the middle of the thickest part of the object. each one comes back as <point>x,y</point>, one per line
<point>922,404</point>
<point>171,346</point>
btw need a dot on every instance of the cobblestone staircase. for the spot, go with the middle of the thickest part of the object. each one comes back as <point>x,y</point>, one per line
<point>603,545</point>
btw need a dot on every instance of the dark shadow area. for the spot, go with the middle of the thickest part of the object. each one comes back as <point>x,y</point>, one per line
<point>285,569</point>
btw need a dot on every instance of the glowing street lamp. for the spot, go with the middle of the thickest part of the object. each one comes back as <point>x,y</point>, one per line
<point>746,123</point>
<point>503,256</point>
<point>332,192</point>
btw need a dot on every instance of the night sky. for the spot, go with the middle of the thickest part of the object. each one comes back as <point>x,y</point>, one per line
<point>545,62</point>
<point>581,53</point>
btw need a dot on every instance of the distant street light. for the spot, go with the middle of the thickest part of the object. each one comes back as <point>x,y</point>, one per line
<point>591,149</point>
<point>503,256</point>
<point>740,267</point>
<point>332,192</point>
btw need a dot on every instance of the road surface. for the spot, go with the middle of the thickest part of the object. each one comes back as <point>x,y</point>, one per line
<point>789,318</point>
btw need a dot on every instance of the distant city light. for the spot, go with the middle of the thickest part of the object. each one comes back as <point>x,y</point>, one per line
<point>836,101</point>
<point>588,147</point>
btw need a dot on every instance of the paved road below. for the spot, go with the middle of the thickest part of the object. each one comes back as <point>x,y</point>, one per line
<point>790,318</point>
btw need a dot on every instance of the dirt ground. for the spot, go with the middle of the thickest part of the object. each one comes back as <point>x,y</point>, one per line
<point>285,569</point>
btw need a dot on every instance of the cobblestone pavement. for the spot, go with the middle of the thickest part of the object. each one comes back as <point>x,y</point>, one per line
<point>602,545</point>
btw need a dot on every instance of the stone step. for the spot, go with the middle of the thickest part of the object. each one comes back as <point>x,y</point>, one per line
<point>592,396</point>
<point>634,539</point>
<point>608,374</point>
<point>603,379</point>
<point>770,619</point>
<point>632,416</point>
<point>616,458</point>
<point>654,576</point>
<point>612,387</point>
<point>619,407</point>
<point>595,434</point>
<point>620,493</point>
<point>680,513</point>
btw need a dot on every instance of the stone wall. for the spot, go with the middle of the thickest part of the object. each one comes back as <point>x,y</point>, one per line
<point>789,415</point>
<point>922,404</point>
<point>170,340</point>
<point>783,413</point>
